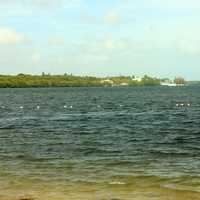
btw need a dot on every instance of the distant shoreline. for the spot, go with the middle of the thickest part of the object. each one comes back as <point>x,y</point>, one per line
<point>46,80</point>
<point>66,80</point>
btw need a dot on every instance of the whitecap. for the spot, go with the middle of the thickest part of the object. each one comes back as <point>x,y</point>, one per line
<point>117,183</point>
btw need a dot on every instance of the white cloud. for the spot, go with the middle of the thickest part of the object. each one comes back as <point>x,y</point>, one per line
<point>115,44</point>
<point>47,3</point>
<point>164,4</point>
<point>36,57</point>
<point>41,3</point>
<point>10,36</point>
<point>109,48</point>
<point>112,18</point>
<point>177,5</point>
<point>182,37</point>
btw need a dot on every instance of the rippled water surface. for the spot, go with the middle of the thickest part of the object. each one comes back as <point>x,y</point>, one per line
<point>100,143</point>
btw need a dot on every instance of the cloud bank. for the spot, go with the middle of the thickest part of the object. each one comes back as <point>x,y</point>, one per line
<point>10,36</point>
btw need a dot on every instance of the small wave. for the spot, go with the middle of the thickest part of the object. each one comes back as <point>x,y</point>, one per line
<point>174,186</point>
<point>117,183</point>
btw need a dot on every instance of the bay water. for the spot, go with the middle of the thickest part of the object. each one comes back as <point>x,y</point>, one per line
<point>119,143</point>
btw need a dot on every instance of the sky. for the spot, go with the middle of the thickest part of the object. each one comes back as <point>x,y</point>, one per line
<point>101,37</point>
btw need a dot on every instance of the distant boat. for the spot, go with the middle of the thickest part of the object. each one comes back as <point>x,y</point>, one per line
<point>169,84</point>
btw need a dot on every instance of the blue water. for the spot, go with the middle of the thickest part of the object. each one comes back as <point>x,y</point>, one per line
<point>111,136</point>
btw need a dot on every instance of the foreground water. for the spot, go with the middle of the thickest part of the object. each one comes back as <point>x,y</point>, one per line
<point>100,143</point>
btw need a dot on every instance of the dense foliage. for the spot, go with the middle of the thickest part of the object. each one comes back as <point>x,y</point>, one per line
<point>23,80</point>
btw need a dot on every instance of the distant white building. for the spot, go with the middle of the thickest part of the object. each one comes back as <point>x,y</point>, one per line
<point>124,84</point>
<point>107,81</point>
<point>138,79</point>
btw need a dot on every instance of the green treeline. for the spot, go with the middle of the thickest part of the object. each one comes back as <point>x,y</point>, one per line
<point>24,80</point>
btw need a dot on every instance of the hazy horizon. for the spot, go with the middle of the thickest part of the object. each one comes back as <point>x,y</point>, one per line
<point>86,37</point>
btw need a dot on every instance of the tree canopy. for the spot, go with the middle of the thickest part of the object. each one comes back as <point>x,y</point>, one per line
<point>47,80</point>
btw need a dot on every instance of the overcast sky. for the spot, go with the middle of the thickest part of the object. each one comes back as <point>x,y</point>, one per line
<point>101,37</point>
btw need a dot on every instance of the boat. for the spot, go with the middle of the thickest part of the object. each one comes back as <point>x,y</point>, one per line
<point>169,84</point>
